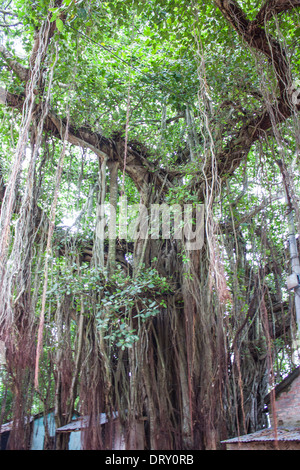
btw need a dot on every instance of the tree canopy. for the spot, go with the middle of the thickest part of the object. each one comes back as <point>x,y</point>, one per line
<point>112,112</point>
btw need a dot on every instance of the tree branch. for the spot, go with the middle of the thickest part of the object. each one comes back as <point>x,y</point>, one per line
<point>6,12</point>
<point>138,164</point>
<point>6,25</point>
<point>257,38</point>
<point>274,7</point>
<point>21,71</point>
<point>261,121</point>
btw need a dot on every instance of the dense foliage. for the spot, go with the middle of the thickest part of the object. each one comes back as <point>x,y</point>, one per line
<point>162,102</point>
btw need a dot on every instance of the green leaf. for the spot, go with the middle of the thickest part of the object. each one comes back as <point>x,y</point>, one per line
<point>147,31</point>
<point>59,24</point>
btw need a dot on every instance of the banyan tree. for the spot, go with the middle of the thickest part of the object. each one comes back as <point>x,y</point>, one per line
<point>149,212</point>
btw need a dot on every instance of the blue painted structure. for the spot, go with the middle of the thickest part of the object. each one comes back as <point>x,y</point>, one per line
<point>38,425</point>
<point>38,432</point>
<point>75,428</point>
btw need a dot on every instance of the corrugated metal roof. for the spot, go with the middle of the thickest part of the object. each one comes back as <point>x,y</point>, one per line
<point>8,426</point>
<point>84,421</point>
<point>283,434</point>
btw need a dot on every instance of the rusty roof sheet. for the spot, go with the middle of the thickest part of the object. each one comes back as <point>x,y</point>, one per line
<point>283,434</point>
<point>8,426</point>
<point>83,422</point>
